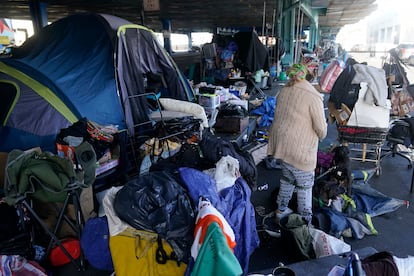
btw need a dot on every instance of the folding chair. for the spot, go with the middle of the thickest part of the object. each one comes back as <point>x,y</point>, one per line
<point>46,177</point>
<point>256,88</point>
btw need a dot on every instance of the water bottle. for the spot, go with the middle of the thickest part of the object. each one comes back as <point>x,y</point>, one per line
<point>357,266</point>
<point>354,267</point>
<point>273,71</point>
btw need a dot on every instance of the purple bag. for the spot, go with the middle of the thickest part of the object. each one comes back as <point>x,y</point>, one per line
<point>324,159</point>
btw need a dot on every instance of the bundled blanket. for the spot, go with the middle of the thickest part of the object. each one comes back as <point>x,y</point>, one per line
<point>377,85</point>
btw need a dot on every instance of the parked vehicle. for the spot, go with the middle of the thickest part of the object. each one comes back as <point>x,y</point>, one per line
<point>406,52</point>
<point>358,48</point>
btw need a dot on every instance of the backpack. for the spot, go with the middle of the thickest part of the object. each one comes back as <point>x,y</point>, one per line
<point>139,252</point>
<point>158,203</point>
<point>95,243</point>
<point>343,90</point>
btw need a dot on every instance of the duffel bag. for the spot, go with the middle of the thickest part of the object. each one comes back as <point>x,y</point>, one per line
<point>139,252</point>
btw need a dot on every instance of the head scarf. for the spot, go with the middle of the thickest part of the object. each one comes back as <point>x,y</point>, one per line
<point>297,72</point>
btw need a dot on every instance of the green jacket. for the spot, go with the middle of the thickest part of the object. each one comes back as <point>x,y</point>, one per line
<point>299,230</point>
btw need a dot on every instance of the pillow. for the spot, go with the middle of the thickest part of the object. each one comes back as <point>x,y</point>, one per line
<point>183,106</point>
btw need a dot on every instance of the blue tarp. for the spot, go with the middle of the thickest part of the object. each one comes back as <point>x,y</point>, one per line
<point>233,203</point>
<point>373,202</point>
<point>368,203</point>
<point>266,110</point>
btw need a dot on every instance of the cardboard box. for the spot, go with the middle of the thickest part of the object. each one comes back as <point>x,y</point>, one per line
<point>108,164</point>
<point>231,124</point>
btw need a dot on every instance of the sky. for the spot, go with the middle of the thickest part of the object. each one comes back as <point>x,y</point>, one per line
<point>353,34</point>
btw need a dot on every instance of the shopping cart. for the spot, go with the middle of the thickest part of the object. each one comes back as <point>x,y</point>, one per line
<point>364,140</point>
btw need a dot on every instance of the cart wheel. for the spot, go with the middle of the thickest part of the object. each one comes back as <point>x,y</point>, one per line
<point>378,171</point>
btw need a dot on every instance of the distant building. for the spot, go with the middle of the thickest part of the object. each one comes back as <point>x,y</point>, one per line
<point>389,27</point>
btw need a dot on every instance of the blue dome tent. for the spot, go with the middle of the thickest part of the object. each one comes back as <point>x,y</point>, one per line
<point>84,65</point>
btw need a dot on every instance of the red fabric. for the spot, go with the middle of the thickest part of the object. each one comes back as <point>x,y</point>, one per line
<point>57,257</point>
<point>329,76</point>
<point>352,130</point>
<point>205,221</point>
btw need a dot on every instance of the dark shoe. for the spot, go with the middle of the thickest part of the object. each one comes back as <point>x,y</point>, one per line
<point>285,213</point>
<point>270,226</point>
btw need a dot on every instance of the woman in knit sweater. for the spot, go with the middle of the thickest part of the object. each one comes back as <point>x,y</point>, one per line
<point>298,125</point>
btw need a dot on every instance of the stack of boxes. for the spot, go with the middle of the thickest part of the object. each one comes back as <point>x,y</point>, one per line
<point>209,102</point>
<point>211,98</point>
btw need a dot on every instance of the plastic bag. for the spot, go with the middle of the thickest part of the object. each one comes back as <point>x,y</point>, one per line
<point>227,171</point>
<point>325,244</point>
<point>368,115</point>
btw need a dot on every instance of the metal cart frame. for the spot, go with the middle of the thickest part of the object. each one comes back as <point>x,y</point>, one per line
<point>364,136</point>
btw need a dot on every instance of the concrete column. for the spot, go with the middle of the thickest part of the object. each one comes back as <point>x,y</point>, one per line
<point>38,12</point>
<point>166,31</point>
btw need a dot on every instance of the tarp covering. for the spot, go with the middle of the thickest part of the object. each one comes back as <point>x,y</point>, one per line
<point>252,51</point>
<point>138,53</point>
<point>233,203</point>
<point>366,202</point>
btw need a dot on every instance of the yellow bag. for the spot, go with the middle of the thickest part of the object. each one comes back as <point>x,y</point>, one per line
<point>138,252</point>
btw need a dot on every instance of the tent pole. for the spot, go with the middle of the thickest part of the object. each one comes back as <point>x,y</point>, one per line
<point>142,15</point>
<point>279,38</point>
<point>264,17</point>
<point>297,25</point>
<point>300,35</point>
<point>273,33</point>
<point>295,53</point>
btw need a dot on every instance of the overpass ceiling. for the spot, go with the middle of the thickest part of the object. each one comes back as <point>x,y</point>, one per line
<point>342,12</point>
<point>198,15</point>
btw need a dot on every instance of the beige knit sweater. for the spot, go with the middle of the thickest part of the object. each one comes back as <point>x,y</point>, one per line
<point>298,125</point>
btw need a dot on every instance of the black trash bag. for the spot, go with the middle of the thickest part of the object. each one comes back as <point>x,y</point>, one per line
<point>188,156</point>
<point>232,110</point>
<point>157,202</point>
<point>214,148</point>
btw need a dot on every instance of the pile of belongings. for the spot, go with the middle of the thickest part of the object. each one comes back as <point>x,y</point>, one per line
<point>194,193</point>
<point>359,96</point>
